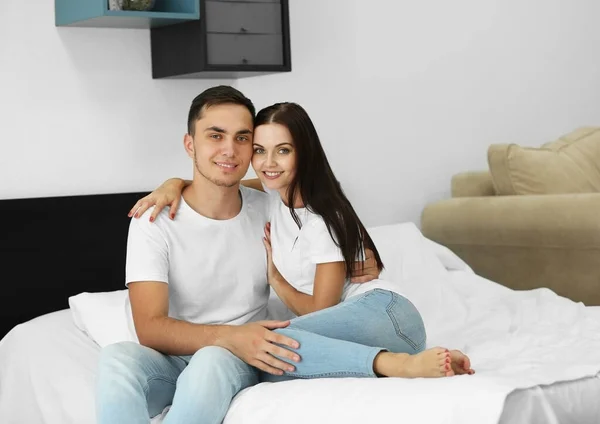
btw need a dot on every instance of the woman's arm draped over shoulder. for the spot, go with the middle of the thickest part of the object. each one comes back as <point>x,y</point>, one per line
<point>169,194</point>
<point>253,183</point>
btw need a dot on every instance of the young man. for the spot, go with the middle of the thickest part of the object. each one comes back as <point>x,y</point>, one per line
<point>198,289</point>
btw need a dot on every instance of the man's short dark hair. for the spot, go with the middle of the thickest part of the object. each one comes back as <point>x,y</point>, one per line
<point>219,95</point>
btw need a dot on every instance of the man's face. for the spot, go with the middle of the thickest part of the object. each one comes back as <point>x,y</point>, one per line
<point>222,144</point>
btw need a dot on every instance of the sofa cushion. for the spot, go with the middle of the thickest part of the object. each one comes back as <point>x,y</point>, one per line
<point>570,164</point>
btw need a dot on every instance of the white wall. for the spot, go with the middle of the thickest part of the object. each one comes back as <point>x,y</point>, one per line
<point>79,111</point>
<point>404,94</point>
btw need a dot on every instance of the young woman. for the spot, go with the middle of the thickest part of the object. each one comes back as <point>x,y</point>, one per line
<point>313,242</point>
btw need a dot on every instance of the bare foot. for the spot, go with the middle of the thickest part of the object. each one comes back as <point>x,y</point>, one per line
<point>434,362</point>
<point>461,364</point>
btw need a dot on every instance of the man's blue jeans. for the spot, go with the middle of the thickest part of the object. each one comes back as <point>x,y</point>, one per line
<point>136,383</point>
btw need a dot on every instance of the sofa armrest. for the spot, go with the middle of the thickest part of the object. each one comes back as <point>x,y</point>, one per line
<point>472,184</point>
<point>525,242</point>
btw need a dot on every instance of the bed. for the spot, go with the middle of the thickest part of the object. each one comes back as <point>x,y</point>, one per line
<point>56,248</point>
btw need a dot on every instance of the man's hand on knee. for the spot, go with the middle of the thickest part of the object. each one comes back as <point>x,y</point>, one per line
<point>256,345</point>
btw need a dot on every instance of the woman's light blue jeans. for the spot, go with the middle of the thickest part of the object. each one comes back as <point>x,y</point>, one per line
<point>135,382</point>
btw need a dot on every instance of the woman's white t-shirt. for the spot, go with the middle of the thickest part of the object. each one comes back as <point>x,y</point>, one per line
<point>297,251</point>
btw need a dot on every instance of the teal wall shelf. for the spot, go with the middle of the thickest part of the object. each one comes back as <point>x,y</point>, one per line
<point>95,13</point>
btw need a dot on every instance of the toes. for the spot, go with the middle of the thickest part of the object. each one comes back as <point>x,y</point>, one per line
<point>463,360</point>
<point>443,353</point>
<point>461,363</point>
<point>448,371</point>
<point>460,371</point>
<point>467,363</point>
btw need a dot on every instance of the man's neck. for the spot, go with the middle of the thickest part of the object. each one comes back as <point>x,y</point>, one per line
<point>212,201</point>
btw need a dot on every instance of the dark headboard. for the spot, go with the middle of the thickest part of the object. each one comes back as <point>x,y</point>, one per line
<point>55,247</point>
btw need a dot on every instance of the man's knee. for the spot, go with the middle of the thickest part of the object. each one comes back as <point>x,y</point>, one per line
<point>213,358</point>
<point>125,360</point>
<point>121,352</point>
<point>219,368</point>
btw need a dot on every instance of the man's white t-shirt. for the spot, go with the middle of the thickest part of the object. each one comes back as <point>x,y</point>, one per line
<point>215,269</point>
<point>298,251</point>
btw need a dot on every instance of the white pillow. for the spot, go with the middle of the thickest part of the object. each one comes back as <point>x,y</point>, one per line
<point>105,317</point>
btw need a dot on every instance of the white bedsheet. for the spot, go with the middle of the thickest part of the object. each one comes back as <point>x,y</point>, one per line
<point>47,372</point>
<point>516,340</point>
<point>568,402</point>
<point>47,369</point>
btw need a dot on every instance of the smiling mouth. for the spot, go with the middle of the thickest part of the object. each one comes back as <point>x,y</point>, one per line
<point>272,175</point>
<point>228,166</point>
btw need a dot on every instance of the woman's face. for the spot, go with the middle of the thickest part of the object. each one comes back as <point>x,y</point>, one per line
<point>274,158</point>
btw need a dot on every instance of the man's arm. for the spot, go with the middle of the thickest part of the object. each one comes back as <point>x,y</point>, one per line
<point>363,272</point>
<point>155,329</point>
<point>253,343</point>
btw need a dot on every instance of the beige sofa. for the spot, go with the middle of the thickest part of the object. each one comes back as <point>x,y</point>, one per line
<point>532,220</point>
